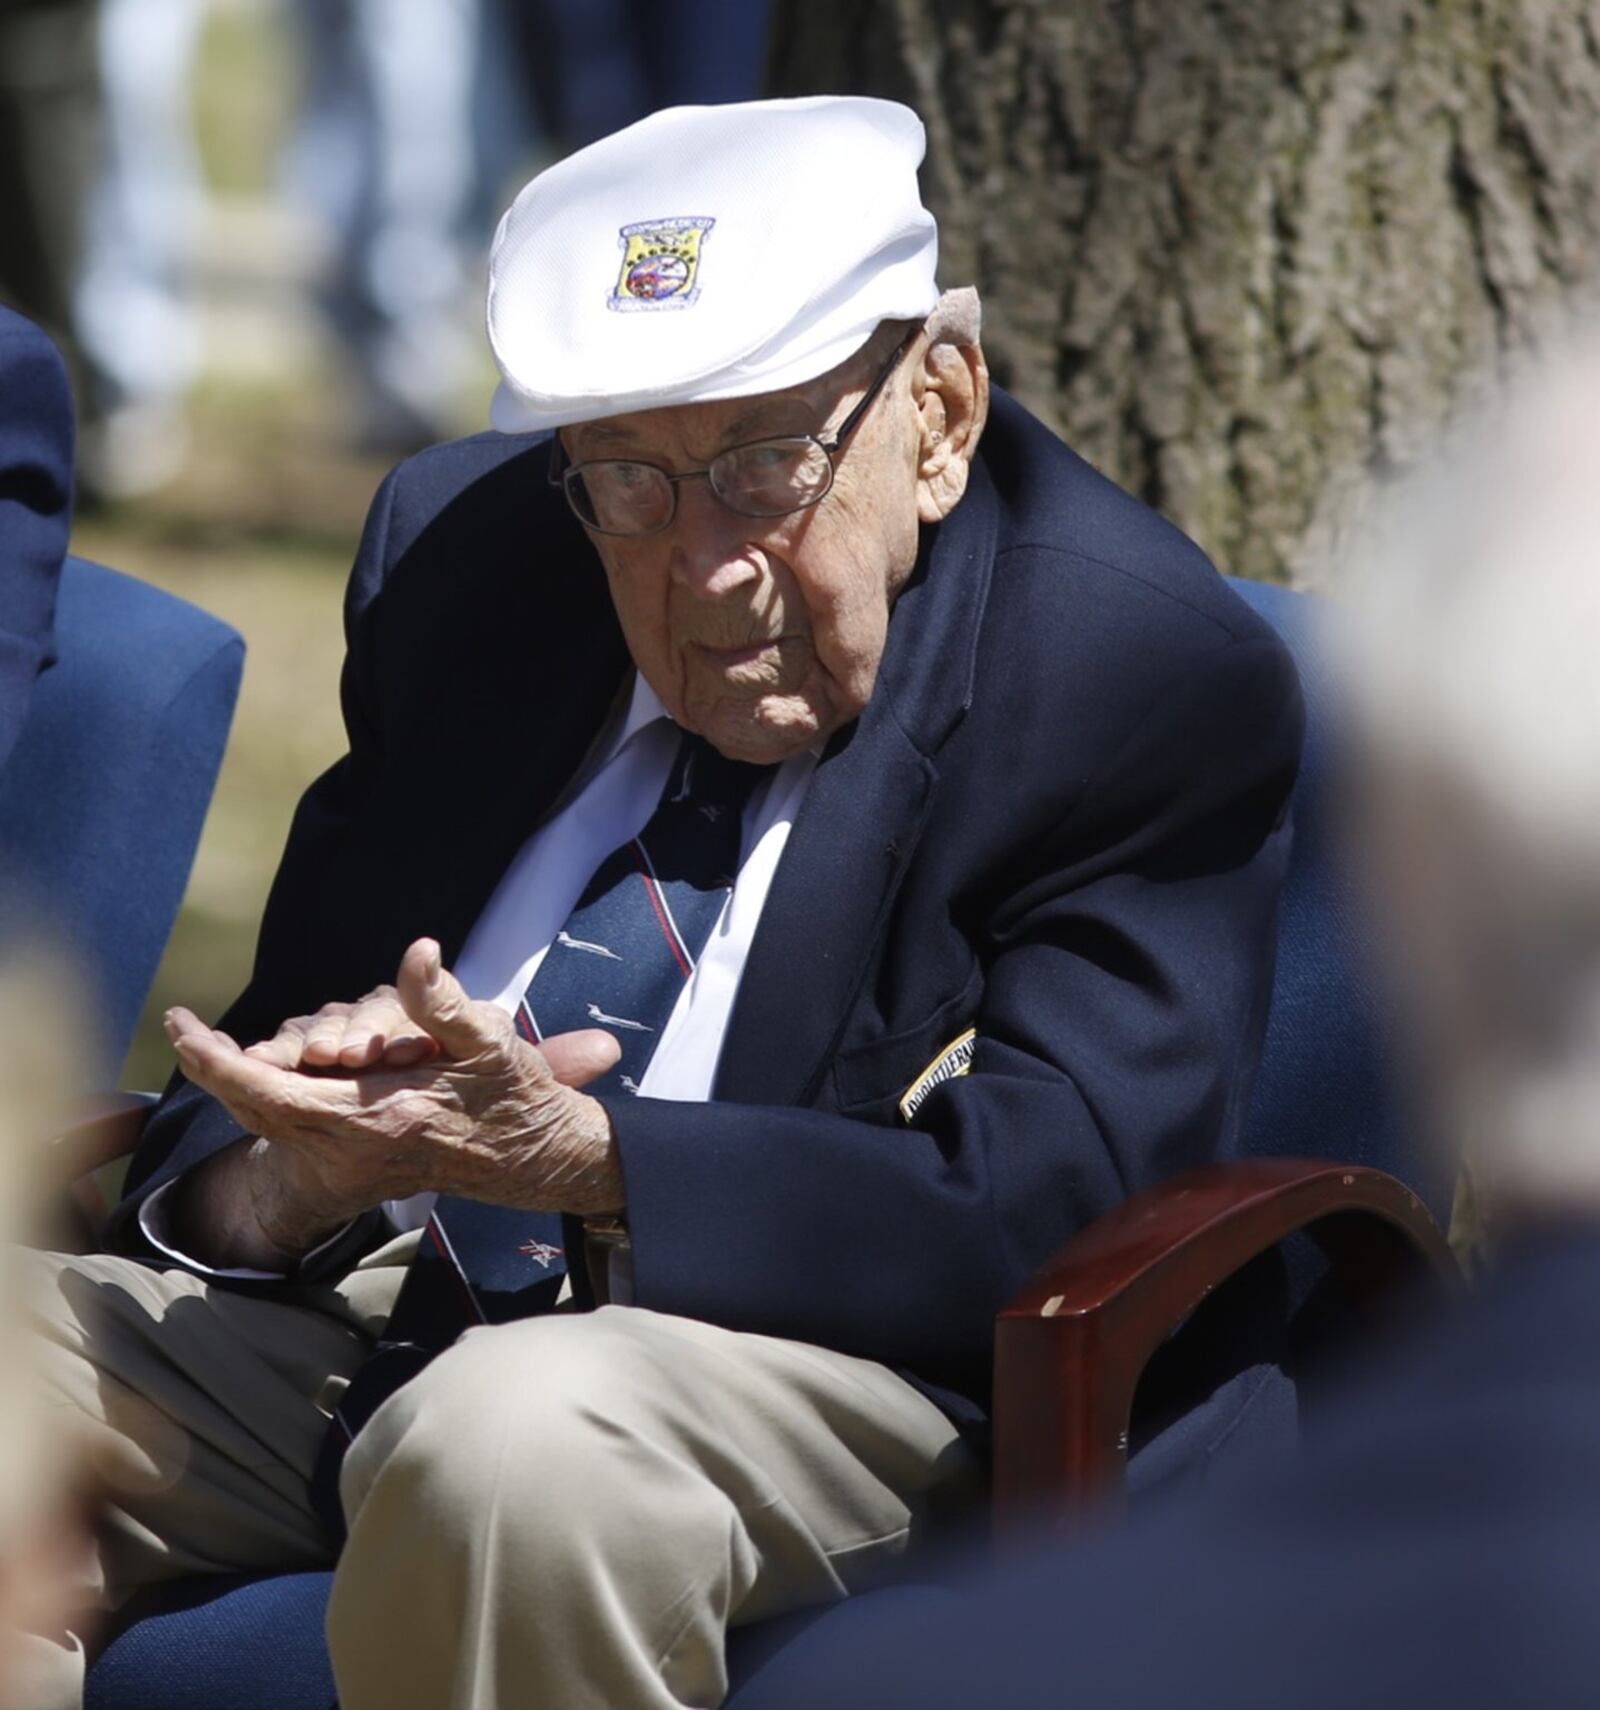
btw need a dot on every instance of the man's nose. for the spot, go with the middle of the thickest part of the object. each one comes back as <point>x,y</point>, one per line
<point>711,544</point>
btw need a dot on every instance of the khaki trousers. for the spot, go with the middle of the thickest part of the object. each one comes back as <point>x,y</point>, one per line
<point>565,1511</point>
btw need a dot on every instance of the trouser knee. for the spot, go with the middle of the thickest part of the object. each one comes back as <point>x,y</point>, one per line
<point>567,1428</point>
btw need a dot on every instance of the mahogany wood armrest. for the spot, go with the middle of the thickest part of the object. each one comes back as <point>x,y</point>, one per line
<point>1071,1347</point>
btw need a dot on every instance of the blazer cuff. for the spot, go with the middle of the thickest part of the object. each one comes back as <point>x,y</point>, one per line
<point>153,1242</point>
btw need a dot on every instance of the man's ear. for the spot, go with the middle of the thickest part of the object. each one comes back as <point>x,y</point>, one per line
<point>952,394</point>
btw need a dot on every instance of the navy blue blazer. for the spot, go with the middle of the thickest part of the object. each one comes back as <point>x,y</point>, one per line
<point>35,510</point>
<point>1059,821</point>
<point>1439,1549</point>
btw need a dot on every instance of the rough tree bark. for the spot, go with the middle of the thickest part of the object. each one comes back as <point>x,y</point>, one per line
<point>1242,253</point>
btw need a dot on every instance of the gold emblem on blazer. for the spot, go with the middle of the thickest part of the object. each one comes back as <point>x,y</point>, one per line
<point>954,1060</point>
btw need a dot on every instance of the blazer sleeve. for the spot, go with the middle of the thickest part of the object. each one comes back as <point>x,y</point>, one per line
<point>1126,969</point>
<point>36,444</point>
<point>464,576</point>
<point>330,824</point>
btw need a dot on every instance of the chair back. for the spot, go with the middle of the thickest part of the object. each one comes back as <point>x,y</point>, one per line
<point>1326,1087</point>
<point>102,800</point>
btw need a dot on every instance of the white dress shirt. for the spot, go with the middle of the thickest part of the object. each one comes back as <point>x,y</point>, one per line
<point>608,803</point>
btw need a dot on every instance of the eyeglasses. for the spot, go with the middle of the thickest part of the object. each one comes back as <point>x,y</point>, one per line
<point>766,478</point>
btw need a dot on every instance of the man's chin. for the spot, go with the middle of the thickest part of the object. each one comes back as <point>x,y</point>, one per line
<point>765,731</point>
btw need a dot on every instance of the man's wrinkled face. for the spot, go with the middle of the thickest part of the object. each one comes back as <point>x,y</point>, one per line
<point>764,634</point>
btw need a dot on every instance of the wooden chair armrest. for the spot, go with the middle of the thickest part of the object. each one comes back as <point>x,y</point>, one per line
<point>1071,1347</point>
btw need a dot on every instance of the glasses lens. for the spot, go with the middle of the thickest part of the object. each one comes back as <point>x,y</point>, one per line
<point>620,497</point>
<point>772,476</point>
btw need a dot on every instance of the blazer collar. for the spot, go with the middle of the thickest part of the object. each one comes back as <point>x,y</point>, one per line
<point>930,662</point>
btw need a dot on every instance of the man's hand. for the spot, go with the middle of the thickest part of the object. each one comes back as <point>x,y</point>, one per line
<point>468,1108</point>
<point>372,1033</point>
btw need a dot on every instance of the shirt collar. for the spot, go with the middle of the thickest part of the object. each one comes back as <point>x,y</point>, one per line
<point>644,708</point>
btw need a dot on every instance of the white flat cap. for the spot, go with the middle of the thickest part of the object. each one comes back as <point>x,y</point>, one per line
<point>708,252</point>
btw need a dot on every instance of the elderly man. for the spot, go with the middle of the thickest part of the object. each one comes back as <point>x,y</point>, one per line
<point>826,860</point>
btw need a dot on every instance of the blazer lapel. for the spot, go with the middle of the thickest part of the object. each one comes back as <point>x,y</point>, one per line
<point>859,824</point>
<point>557,662</point>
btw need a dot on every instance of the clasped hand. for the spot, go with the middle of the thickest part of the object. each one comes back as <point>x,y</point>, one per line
<point>416,1088</point>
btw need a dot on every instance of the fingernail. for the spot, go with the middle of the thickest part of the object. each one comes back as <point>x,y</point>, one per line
<point>432,965</point>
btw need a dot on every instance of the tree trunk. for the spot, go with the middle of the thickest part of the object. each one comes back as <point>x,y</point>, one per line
<point>1242,253</point>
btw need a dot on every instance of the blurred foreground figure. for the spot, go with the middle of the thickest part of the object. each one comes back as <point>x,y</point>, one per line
<point>1441,1545</point>
<point>42,1553</point>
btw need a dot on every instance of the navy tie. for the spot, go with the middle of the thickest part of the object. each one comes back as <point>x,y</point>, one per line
<point>628,948</point>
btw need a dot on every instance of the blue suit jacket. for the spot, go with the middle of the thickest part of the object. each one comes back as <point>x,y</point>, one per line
<point>1059,821</point>
<point>1438,1550</point>
<point>35,510</point>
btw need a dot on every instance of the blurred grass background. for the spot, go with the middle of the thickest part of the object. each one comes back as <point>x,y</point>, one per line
<point>262,525</point>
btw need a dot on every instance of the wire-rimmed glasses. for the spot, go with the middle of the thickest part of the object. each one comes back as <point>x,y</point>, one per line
<point>765,478</point>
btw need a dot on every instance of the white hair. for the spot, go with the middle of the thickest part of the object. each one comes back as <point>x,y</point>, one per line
<point>957,317</point>
<point>1473,657</point>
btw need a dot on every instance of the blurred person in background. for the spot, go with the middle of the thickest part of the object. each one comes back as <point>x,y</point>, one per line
<point>597,65</point>
<point>35,511</point>
<point>405,130</point>
<point>412,116</point>
<point>1440,1546</point>
<point>99,199</point>
<point>49,154</point>
<point>388,154</point>
<point>136,310</point>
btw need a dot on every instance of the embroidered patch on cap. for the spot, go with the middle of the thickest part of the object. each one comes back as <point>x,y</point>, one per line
<point>955,1059</point>
<point>660,264</point>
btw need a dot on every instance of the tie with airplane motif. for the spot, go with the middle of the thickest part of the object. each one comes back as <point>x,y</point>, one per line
<point>627,950</point>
